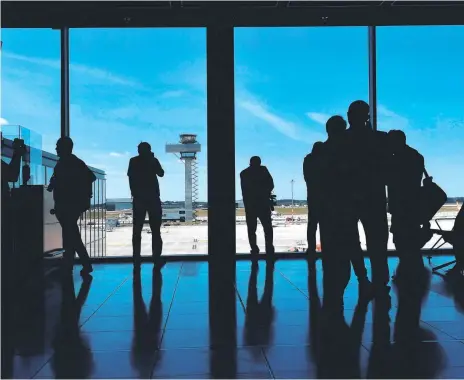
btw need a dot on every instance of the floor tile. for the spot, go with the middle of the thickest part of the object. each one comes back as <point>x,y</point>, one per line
<point>269,340</point>
<point>25,367</point>
<point>123,323</point>
<point>290,359</point>
<point>110,340</point>
<point>428,333</point>
<point>110,364</point>
<point>454,329</point>
<point>223,362</point>
<point>452,373</point>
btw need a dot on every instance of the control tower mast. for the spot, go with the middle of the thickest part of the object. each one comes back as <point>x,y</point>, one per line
<point>188,147</point>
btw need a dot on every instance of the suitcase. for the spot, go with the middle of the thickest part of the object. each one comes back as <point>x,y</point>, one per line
<point>431,198</point>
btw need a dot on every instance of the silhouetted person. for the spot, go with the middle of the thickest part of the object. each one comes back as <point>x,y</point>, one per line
<point>406,169</point>
<point>380,359</point>
<point>364,163</point>
<point>336,127</point>
<point>143,173</point>
<point>148,326</point>
<point>10,173</point>
<point>313,172</point>
<point>259,313</point>
<point>71,184</point>
<point>73,357</point>
<point>257,185</point>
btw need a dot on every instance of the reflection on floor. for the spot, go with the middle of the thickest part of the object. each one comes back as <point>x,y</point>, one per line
<point>124,325</point>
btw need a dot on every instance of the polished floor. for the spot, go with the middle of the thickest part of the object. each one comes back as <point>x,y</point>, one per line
<point>178,324</point>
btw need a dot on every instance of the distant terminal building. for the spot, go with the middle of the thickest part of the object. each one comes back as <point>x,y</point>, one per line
<point>118,204</point>
<point>172,211</point>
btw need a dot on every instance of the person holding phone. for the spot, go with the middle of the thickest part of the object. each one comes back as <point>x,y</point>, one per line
<point>143,174</point>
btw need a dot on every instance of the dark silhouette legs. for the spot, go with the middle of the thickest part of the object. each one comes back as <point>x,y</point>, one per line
<point>375,223</point>
<point>72,240</point>
<point>140,210</point>
<point>252,224</point>
<point>313,221</point>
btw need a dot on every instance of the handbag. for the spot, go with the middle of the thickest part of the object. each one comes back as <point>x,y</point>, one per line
<point>431,199</point>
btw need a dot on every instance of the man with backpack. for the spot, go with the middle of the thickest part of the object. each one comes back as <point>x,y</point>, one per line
<point>71,184</point>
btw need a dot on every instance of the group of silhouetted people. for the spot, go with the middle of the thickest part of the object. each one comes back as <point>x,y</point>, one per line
<point>347,179</point>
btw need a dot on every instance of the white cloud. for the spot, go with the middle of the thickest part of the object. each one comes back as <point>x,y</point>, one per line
<point>117,154</point>
<point>285,127</point>
<point>318,117</point>
<point>100,74</point>
<point>260,110</point>
<point>3,121</point>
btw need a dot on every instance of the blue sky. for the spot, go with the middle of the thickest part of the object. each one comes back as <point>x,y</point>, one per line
<point>129,85</point>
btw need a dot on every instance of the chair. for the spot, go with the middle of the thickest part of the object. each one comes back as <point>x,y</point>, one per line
<point>446,236</point>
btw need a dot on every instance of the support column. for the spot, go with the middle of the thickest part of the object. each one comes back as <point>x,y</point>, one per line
<point>373,75</point>
<point>64,82</point>
<point>221,199</point>
<point>221,142</point>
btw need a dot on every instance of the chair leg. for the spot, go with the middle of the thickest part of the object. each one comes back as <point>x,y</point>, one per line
<point>434,269</point>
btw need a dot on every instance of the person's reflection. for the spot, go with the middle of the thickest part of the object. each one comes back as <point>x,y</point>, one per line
<point>147,325</point>
<point>314,312</point>
<point>409,351</point>
<point>338,346</point>
<point>73,358</point>
<point>259,313</point>
<point>379,366</point>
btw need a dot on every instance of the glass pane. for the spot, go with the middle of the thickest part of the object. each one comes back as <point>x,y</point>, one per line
<point>31,82</point>
<point>289,81</point>
<point>420,90</point>
<point>134,85</point>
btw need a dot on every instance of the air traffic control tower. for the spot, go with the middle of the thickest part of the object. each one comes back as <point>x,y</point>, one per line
<point>188,147</point>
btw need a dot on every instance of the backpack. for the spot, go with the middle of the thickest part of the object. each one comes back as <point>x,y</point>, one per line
<point>87,195</point>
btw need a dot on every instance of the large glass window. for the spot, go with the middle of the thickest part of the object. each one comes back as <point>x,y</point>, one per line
<point>420,90</point>
<point>289,81</point>
<point>30,82</point>
<point>134,85</point>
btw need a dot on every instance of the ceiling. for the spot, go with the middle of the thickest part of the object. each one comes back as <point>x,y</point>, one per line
<point>57,14</point>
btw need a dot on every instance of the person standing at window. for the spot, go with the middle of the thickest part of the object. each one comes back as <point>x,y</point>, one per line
<point>365,161</point>
<point>143,174</point>
<point>257,185</point>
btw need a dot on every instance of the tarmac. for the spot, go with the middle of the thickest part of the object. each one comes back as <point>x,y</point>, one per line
<point>187,240</point>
